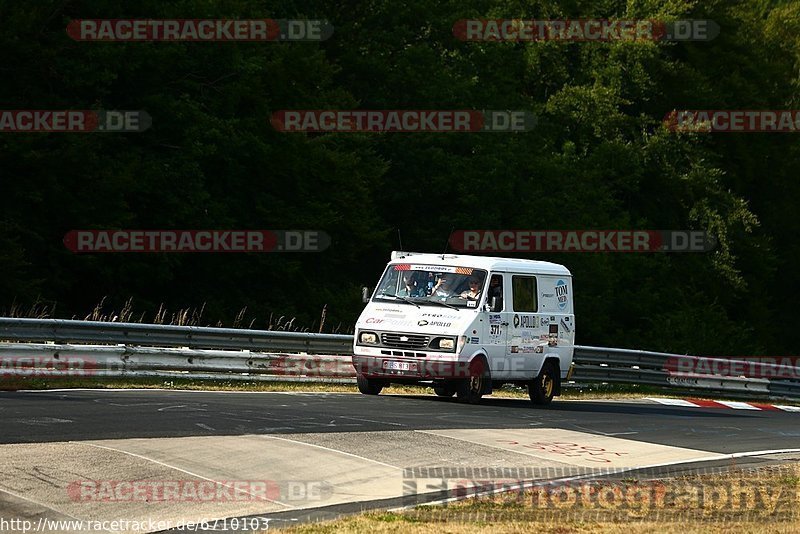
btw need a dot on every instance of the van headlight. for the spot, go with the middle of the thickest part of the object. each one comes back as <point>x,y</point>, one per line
<point>447,344</point>
<point>368,338</point>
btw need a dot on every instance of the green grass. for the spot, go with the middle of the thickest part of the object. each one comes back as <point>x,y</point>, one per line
<point>592,391</point>
<point>244,385</point>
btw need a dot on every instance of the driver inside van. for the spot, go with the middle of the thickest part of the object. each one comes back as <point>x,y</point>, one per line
<point>474,291</point>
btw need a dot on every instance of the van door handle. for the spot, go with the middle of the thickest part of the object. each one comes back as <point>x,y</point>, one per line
<point>504,324</point>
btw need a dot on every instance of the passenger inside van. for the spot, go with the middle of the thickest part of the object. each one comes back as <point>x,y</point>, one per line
<point>411,286</point>
<point>444,287</point>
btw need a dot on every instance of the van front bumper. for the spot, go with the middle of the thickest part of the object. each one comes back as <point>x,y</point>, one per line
<point>415,368</point>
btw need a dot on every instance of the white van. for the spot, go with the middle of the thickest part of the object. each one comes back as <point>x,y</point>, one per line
<point>467,324</point>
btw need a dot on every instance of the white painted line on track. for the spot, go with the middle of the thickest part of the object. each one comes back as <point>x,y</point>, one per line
<point>168,466</point>
<point>672,402</point>
<point>330,450</point>
<point>465,440</point>
<point>608,434</point>
<point>787,408</point>
<point>761,453</point>
<point>48,507</point>
<point>371,421</point>
<point>39,421</point>
<point>738,405</point>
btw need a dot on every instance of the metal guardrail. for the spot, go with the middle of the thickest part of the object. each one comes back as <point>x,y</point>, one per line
<point>67,331</point>
<point>613,365</point>
<point>49,360</point>
<point>144,350</point>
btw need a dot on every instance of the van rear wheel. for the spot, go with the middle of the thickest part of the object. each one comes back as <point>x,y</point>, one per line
<point>542,389</point>
<point>368,386</point>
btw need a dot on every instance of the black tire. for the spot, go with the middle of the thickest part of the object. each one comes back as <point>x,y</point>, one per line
<point>471,389</point>
<point>444,390</point>
<point>542,389</point>
<point>368,386</point>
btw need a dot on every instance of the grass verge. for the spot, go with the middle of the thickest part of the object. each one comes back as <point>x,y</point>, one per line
<point>38,383</point>
<point>589,391</point>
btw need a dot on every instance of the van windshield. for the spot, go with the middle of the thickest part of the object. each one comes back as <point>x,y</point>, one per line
<point>461,287</point>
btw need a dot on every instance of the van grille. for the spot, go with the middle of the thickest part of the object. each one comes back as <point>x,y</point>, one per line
<point>408,341</point>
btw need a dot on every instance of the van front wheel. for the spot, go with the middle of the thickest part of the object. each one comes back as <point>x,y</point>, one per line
<point>444,390</point>
<point>471,389</point>
<point>542,388</point>
<point>367,386</point>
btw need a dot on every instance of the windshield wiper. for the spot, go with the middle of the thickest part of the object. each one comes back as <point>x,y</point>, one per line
<point>440,303</point>
<point>404,299</point>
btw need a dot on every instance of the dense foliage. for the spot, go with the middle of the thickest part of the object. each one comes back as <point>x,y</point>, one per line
<point>599,158</point>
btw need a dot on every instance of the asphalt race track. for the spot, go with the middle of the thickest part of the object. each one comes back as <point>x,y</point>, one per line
<point>326,453</point>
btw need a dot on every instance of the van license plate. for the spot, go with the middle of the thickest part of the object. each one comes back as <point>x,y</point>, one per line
<point>398,366</point>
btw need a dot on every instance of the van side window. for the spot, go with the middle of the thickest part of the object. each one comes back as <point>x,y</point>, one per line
<point>495,292</point>
<point>524,293</point>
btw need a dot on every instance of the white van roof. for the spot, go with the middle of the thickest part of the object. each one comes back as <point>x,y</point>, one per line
<point>481,262</point>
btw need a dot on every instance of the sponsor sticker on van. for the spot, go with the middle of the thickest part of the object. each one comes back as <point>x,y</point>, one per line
<point>562,293</point>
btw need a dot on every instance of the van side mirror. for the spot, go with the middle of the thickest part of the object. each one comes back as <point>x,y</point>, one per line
<point>365,294</point>
<point>497,304</point>
<point>487,307</point>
